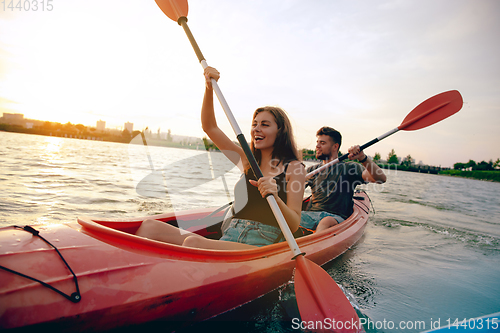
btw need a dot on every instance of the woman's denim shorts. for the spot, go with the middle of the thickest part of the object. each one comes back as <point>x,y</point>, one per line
<point>251,233</point>
<point>310,219</point>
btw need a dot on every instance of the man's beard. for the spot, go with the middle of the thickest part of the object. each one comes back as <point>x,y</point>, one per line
<point>323,157</point>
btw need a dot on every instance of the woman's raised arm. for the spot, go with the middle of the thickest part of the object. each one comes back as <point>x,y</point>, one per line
<point>209,123</point>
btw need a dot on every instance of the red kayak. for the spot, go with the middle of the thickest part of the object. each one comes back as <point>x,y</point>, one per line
<point>106,277</point>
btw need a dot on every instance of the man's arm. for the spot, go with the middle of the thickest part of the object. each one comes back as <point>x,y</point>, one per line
<point>372,172</point>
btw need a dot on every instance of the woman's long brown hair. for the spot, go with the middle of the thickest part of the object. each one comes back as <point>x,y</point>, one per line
<point>285,148</point>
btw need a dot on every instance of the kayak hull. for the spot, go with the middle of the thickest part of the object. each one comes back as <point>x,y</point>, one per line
<point>126,280</point>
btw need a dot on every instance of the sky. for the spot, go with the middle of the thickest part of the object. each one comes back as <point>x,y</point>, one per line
<point>359,66</point>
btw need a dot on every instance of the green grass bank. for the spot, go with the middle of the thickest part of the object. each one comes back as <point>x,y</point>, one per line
<point>481,175</point>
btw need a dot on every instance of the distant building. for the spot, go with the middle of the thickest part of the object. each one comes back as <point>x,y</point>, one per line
<point>13,119</point>
<point>101,125</point>
<point>129,127</point>
<point>18,119</point>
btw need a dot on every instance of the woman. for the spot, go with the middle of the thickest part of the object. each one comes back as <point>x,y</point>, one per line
<point>274,148</point>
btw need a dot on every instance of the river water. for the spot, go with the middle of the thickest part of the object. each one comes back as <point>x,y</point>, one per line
<point>430,252</point>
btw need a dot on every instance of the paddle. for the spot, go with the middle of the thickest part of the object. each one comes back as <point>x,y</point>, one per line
<point>429,112</point>
<point>319,297</point>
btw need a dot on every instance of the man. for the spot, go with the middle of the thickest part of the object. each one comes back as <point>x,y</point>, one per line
<point>333,188</point>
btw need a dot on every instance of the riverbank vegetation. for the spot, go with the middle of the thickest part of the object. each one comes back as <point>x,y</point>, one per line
<point>480,175</point>
<point>73,131</point>
<point>82,132</point>
<point>482,170</point>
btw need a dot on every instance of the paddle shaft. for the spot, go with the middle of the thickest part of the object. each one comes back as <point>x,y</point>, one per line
<point>244,144</point>
<point>344,157</point>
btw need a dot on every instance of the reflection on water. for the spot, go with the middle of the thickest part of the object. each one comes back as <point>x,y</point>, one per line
<point>50,179</point>
<point>52,146</point>
<point>430,250</point>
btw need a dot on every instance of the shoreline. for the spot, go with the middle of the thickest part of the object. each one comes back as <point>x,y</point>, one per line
<point>489,176</point>
<point>103,137</point>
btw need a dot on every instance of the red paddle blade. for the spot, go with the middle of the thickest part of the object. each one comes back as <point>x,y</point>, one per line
<point>321,300</point>
<point>173,8</point>
<point>433,110</point>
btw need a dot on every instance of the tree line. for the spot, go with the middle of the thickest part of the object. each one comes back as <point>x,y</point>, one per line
<point>481,166</point>
<point>471,165</point>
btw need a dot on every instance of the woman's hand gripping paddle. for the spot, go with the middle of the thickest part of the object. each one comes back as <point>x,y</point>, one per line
<point>318,295</point>
<point>429,112</point>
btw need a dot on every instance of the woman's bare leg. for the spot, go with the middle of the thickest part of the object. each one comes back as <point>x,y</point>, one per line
<point>205,243</point>
<point>163,232</point>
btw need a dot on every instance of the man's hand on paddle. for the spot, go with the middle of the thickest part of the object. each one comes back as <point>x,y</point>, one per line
<point>372,172</point>
<point>355,153</point>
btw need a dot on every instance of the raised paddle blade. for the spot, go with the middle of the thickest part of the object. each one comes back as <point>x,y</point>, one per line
<point>174,9</point>
<point>320,299</point>
<point>433,110</point>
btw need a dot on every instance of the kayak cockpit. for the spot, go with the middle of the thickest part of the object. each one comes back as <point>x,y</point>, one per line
<point>122,234</point>
<point>206,222</point>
